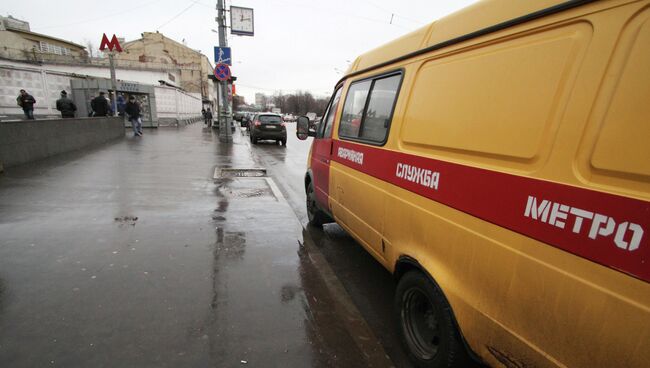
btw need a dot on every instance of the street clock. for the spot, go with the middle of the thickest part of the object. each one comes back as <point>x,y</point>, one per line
<point>241,21</point>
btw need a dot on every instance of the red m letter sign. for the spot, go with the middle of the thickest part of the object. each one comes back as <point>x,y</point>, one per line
<point>113,44</point>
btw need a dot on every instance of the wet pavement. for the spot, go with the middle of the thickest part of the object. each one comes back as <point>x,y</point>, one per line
<point>133,255</point>
<point>368,284</point>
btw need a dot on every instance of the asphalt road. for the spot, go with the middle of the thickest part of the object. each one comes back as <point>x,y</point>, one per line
<point>368,283</point>
<point>143,253</point>
<point>133,255</point>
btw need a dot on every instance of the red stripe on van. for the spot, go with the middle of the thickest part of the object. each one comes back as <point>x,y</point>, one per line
<point>604,228</point>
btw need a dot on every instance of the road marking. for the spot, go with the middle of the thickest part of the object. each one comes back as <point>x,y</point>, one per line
<point>276,191</point>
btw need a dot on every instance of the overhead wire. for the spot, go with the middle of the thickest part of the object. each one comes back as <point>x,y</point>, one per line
<point>394,13</point>
<point>177,15</point>
<point>129,10</point>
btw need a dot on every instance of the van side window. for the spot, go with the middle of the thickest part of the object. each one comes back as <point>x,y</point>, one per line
<point>355,102</point>
<point>369,108</point>
<point>380,108</point>
<point>328,119</point>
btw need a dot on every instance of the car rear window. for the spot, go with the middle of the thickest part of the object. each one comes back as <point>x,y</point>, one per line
<point>270,119</point>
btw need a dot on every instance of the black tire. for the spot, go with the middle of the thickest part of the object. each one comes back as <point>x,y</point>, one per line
<point>426,324</point>
<point>314,214</point>
<point>284,142</point>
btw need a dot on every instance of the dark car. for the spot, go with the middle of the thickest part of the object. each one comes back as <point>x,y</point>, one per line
<point>268,126</point>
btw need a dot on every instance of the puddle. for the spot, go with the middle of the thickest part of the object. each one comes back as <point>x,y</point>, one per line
<point>126,220</point>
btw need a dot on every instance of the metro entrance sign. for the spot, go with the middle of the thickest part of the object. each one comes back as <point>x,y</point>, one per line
<point>112,44</point>
<point>222,72</point>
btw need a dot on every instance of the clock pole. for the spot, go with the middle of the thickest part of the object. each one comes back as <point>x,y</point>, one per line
<point>223,111</point>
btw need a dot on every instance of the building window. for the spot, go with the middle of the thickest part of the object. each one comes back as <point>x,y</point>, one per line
<point>53,49</point>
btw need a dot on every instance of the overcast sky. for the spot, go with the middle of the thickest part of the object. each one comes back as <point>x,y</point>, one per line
<point>298,44</point>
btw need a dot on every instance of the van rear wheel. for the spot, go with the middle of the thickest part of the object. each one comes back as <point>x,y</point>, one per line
<point>314,214</point>
<point>426,325</point>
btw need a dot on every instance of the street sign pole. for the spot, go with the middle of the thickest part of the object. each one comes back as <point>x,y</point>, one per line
<point>112,46</point>
<point>111,62</point>
<point>224,113</point>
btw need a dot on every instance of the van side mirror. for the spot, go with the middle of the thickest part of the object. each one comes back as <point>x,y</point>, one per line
<point>302,128</point>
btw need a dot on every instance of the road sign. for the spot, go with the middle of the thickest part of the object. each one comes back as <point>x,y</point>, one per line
<point>222,55</point>
<point>222,72</point>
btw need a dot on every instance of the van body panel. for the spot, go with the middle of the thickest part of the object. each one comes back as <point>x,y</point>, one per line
<point>516,173</point>
<point>320,165</point>
<point>365,217</point>
<point>601,227</point>
<point>446,89</point>
<point>622,119</point>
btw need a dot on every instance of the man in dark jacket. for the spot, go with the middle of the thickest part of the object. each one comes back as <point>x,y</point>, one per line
<point>99,105</point>
<point>121,104</point>
<point>208,117</point>
<point>26,101</point>
<point>132,109</point>
<point>66,106</point>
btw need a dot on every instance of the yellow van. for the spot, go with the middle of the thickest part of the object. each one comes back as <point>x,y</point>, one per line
<point>497,162</point>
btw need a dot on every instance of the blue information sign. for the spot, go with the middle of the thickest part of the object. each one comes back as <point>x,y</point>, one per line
<point>222,55</point>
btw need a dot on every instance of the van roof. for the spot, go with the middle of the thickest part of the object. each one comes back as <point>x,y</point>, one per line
<point>483,17</point>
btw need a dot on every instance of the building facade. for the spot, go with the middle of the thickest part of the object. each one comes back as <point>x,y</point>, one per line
<point>154,50</point>
<point>18,42</point>
<point>45,65</point>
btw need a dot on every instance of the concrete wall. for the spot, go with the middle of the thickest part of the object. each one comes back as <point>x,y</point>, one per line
<point>176,107</point>
<point>26,141</point>
<point>45,82</point>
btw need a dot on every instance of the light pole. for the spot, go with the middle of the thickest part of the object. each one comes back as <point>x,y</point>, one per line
<point>224,114</point>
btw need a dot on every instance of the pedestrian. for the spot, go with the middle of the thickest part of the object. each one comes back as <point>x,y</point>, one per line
<point>110,99</point>
<point>121,104</point>
<point>66,106</point>
<point>99,105</point>
<point>208,117</point>
<point>132,110</point>
<point>26,101</point>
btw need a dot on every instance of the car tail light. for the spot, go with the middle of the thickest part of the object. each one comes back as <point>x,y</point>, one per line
<point>257,123</point>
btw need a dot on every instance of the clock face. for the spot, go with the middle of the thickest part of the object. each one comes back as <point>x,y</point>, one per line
<point>241,21</point>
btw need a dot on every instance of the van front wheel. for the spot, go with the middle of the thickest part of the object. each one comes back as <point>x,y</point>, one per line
<point>426,325</point>
<point>316,216</point>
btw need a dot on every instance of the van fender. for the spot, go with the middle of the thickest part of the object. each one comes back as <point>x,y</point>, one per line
<point>407,263</point>
<point>308,179</point>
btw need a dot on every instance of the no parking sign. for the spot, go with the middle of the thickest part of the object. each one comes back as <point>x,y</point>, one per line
<point>222,72</point>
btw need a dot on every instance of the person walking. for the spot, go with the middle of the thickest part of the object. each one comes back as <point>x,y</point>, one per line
<point>208,117</point>
<point>121,104</point>
<point>26,101</point>
<point>99,105</point>
<point>132,110</point>
<point>66,106</point>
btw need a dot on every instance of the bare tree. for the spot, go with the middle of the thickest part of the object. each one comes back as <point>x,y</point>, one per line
<point>91,48</point>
